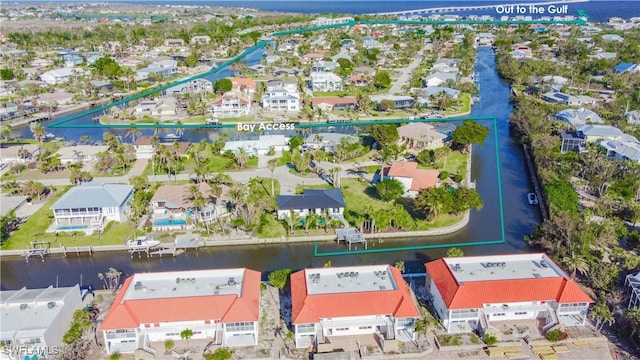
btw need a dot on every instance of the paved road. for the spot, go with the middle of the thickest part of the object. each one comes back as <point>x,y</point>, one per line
<point>405,75</point>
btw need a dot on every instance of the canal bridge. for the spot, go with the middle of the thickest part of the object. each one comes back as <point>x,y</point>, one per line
<point>448,9</point>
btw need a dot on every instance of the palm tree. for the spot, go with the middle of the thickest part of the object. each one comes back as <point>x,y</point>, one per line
<point>38,131</point>
<point>272,167</point>
<point>575,263</point>
<point>198,200</point>
<point>602,314</point>
<point>179,128</point>
<point>400,266</point>
<point>133,133</point>
<point>455,252</point>
<point>186,334</point>
<point>241,157</point>
<point>6,131</point>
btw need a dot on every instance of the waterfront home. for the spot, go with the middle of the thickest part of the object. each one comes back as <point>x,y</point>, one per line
<point>481,293</point>
<point>632,283</point>
<point>260,146</point>
<point>231,105</point>
<point>623,150</point>
<point>36,318</point>
<point>325,81</point>
<point>320,21</point>
<point>148,72</point>
<point>244,85</point>
<point>399,102</point>
<point>56,98</point>
<point>594,133</point>
<point>323,66</point>
<point>101,87</point>
<point>326,141</point>
<point>17,153</point>
<point>331,103</point>
<point>281,99</point>
<point>413,179</point>
<point>336,302</point>
<point>222,306</point>
<point>311,201</point>
<point>633,117</point>
<point>446,65</point>
<point>627,67</point>
<point>566,99</point>
<point>11,203</point>
<point>91,206</point>
<point>144,147</point>
<point>421,136</point>
<point>172,204</point>
<point>572,141</point>
<point>577,117</point>
<point>165,106</point>
<point>485,39</point>
<point>200,40</point>
<point>612,37</point>
<point>84,153</point>
<point>195,86</point>
<point>174,42</point>
<point>436,90</point>
<point>57,76</point>
<point>438,79</point>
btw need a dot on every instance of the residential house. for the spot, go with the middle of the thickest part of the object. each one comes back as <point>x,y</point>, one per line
<point>326,141</point>
<point>604,55</point>
<point>36,318</point>
<point>420,135</point>
<point>72,60</point>
<point>593,133</point>
<point>566,99</point>
<point>632,283</point>
<point>173,204</point>
<point>311,201</point>
<point>338,103</point>
<point>149,72</point>
<point>195,86</point>
<point>399,102</point>
<point>144,148</point>
<point>222,306</point>
<point>313,56</point>
<point>478,293</point>
<point>485,39</point>
<point>18,153</point>
<point>164,107</point>
<point>612,37</point>
<point>164,62</point>
<point>91,206</point>
<point>325,81</point>
<point>572,141</point>
<point>624,150</point>
<point>259,146</point>
<point>358,80</point>
<point>84,153</point>
<point>57,76</point>
<point>56,98</point>
<point>101,87</point>
<point>246,86</point>
<point>174,42</point>
<point>324,66</point>
<point>281,99</point>
<point>627,67</point>
<point>12,203</point>
<point>555,80</point>
<point>291,85</point>
<point>633,117</point>
<point>412,178</point>
<point>200,40</point>
<point>577,117</point>
<point>437,90</point>
<point>327,303</point>
<point>438,79</point>
<point>321,21</point>
<point>231,105</point>
<point>446,65</point>
<point>369,42</point>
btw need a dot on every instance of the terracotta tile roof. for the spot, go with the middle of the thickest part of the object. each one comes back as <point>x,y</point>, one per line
<point>308,308</point>
<point>181,196</point>
<point>224,308</point>
<point>473,294</point>
<point>422,178</point>
<point>238,82</point>
<point>241,99</point>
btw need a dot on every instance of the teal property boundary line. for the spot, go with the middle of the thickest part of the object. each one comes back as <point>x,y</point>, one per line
<point>581,20</point>
<point>316,253</point>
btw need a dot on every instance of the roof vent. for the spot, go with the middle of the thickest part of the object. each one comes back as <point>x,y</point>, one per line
<point>51,304</point>
<point>216,292</point>
<point>456,267</point>
<point>232,282</point>
<point>138,285</point>
<point>24,306</point>
<point>543,264</point>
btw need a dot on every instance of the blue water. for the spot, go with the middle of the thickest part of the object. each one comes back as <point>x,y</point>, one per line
<point>168,221</point>
<point>72,227</point>
<point>597,10</point>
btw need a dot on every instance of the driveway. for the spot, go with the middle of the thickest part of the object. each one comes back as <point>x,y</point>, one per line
<point>405,75</point>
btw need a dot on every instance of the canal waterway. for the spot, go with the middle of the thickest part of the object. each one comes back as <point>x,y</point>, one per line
<point>519,216</point>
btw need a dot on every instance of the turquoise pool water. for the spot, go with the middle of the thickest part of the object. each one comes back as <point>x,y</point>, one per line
<point>72,227</point>
<point>168,221</point>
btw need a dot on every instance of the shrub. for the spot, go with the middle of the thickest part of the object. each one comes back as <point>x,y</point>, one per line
<point>168,345</point>
<point>490,339</point>
<point>554,335</point>
<point>219,354</point>
<point>443,175</point>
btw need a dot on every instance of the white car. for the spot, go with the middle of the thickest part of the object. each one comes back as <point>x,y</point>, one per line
<point>533,199</point>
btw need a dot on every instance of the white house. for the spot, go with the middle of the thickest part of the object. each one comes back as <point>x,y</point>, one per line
<point>200,40</point>
<point>577,117</point>
<point>355,300</point>
<point>220,305</point>
<point>632,282</point>
<point>566,99</point>
<point>162,71</point>
<point>57,76</point>
<point>604,132</point>
<point>91,206</point>
<point>260,146</point>
<point>231,105</point>
<point>438,79</point>
<point>281,99</point>
<point>195,86</point>
<point>626,150</point>
<point>477,293</point>
<point>36,318</point>
<point>331,21</point>
<point>74,154</point>
<point>144,147</point>
<point>311,201</point>
<point>325,81</point>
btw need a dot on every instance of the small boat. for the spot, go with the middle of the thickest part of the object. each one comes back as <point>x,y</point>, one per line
<point>172,137</point>
<point>142,242</point>
<point>532,198</point>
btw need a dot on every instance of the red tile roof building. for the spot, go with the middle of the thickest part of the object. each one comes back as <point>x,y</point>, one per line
<point>469,293</point>
<point>222,305</point>
<point>355,300</point>
<point>412,178</point>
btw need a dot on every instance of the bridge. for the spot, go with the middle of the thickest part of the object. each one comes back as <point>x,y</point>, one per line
<point>475,7</point>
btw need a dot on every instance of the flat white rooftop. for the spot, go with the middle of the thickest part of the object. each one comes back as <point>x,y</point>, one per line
<point>174,284</point>
<point>503,267</point>
<point>349,279</point>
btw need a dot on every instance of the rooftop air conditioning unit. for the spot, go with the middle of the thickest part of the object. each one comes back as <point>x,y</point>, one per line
<point>138,285</point>
<point>231,282</point>
<point>51,304</point>
<point>24,306</point>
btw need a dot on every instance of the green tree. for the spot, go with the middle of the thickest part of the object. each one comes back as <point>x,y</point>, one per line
<point>168,345</point>
<point>385,135</point>
<point>222,85</point>
<point>386,105</point>
<point>455,252</point>
<point>6,74</point>
<point>279,278</point>
<point>426,157</point>
<point>186,334</point>
<point>382,79</point>
<point>219,354</point>
<point>295,142</point>
<point>574,262</point>
<point>400,266</point>
<point>469,133</point>
<point>602,315</point>
<point>107,67</point>
<point>389,189</point>
<point>434,201</point>
<point>192,60</point>
<point>490,339</point>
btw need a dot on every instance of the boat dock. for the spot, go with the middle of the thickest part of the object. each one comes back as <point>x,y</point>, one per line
<point>43,248</point>
<point>177,247</point>
<point>350,235</point>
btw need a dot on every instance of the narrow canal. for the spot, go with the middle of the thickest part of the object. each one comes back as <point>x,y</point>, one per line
<point>519,218</point>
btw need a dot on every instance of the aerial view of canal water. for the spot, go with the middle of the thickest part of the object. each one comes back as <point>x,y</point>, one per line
<point>484,225</point>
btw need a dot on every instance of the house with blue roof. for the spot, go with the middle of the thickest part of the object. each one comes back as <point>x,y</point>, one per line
<point>91,206</point>
<point>624,67</point>
<point>435,90</point>
<point>577,117</point>
<point>312,201</point>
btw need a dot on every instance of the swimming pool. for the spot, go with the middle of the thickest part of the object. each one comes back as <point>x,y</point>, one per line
<point>168,221</point>
<point>72,227</point>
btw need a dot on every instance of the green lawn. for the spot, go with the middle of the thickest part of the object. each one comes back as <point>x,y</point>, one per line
<point>34,229</point>
<point>217,163</point>
<point>284,159</point>
<point>299,188</point>
<point>366,157</point>
<point>463,107</point>
<point>246,118</point>
<point>266,182</point>
<point>453,162</point>
<point>272,228</point>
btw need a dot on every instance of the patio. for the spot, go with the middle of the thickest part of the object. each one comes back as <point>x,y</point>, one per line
<point>514,330</point>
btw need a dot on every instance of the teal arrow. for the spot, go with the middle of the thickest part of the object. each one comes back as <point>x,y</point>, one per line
<point>582,14</point>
